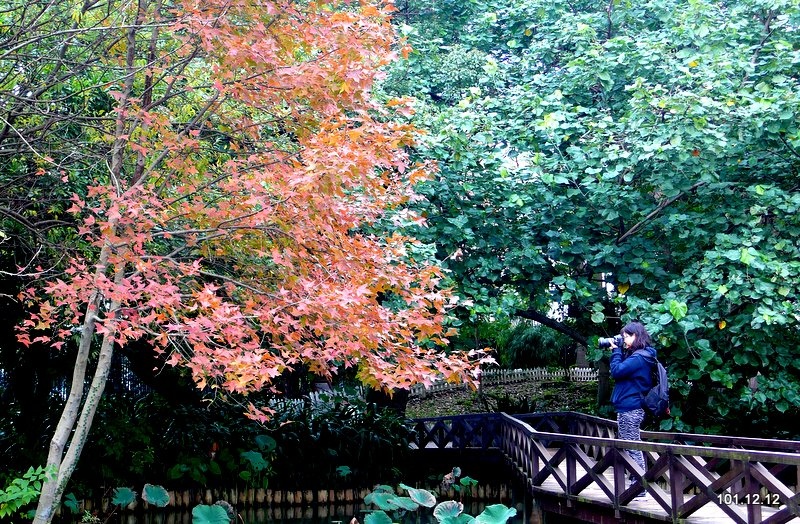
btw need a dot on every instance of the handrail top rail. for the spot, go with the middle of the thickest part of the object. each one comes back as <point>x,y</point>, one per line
<point>744,453</point>
<point>728,440</point>
<point>571,414</point>
<point>725,440</point>
<point>675,449</point>
<point>731,441</point>
<point>668,435</point>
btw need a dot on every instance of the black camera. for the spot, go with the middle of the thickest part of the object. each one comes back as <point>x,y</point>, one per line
<point>608,342</point>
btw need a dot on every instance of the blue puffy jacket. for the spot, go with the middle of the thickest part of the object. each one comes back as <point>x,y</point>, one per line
<point>632,377</point>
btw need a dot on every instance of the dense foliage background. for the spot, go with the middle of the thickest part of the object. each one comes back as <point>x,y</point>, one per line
<point>606,162</point>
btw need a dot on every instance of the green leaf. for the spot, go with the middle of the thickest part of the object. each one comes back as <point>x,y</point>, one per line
<point>382,500</point>
<point>155,495</point>
<point>449,508</point>
<point>377,517</point>
<point>721,376</point>
<point>266,443</point>
<point>123,497</point>
<point>495,514</point>
<point>459,519</point>
<point>423,497</point>
<point>677,309</point>
<point>215,514</point>
<point>255,459</point>
<point>468,481</point>
<point>406,503</point>
<point>71,503</point>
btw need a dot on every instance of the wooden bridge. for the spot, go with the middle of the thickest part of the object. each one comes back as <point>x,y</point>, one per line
<point>573,465</point>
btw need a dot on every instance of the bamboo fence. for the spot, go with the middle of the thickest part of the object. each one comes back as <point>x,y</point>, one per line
<point>286,503</point>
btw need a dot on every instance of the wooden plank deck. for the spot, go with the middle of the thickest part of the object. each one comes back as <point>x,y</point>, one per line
<point>647,506</point>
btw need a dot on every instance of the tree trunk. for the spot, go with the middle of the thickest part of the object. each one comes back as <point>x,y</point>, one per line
<point>63,464</point>
<point>534,315</point>
<point>72,431</point>
<point>603,382</point>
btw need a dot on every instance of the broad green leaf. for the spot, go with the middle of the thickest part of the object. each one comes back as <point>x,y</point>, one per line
<point>155,495</point>
<point>255,459</point>
<point>71,503</point>
<point>377,517</point>
<point>203,514</point>
<point>468,481</point>
<point>405,503</point>
<point>382,500</point>
<point>123,496</point>
<point>677,309</point>
<point>495,514</point>
<point>463,518</point>
<point>265,443</point>
<point>423,497</point>
<point>449,508</point>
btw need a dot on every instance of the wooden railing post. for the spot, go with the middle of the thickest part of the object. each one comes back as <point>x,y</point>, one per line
<point>572,472</point>
<point>537,514</point>
<point>752,496</point>
<point>619,479</point>
<point>676,483</point>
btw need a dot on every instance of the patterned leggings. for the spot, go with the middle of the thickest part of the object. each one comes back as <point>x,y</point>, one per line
<point>629,423</point>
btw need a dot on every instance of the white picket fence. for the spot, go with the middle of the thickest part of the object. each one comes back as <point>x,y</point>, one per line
<point>495,377</point>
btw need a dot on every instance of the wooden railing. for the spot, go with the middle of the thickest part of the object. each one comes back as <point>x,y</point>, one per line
<point>564,454</point>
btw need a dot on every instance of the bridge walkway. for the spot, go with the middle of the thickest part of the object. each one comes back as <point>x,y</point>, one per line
<point>574,465</point>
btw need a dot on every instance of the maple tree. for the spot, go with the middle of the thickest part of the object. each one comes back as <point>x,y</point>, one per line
<point>223,215</point>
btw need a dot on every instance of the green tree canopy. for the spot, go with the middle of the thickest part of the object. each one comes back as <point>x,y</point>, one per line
<point>627,160</point>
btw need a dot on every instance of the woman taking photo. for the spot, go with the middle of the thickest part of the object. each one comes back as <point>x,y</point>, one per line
<point>631,370</point>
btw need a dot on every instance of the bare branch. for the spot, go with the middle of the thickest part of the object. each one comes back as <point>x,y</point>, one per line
<point>663,205</point>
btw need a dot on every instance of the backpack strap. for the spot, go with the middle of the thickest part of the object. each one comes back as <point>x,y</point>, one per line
<point>653,367</point>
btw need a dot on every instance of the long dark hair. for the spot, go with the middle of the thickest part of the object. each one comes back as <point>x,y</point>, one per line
<point>638,330</point>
